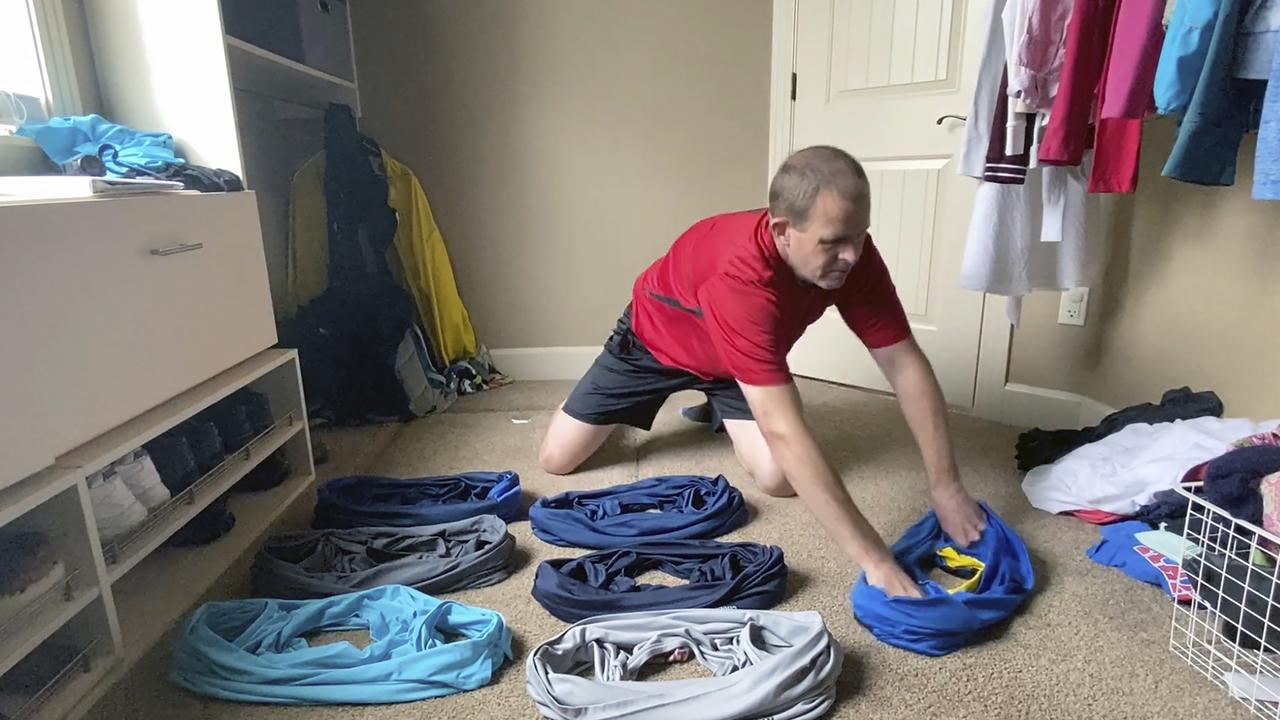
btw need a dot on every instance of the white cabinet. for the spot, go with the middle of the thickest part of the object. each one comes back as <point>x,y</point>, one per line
<point>121,318</point>
<point>111,306</point>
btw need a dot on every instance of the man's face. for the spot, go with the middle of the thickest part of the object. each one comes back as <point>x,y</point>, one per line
<point>823,250</point>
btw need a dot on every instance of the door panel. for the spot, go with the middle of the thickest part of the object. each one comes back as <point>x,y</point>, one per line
<point>872,77</point>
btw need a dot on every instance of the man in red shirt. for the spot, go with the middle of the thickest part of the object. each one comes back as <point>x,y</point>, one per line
<point>719,313</point>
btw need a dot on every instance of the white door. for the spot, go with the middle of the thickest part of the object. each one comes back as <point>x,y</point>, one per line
<point>873,77</point>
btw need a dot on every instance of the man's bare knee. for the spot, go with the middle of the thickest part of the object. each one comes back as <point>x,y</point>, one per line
<point>555,461</point>
<point>771,481</point>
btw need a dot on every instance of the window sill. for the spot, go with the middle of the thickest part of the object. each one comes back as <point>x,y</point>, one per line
<point>22,156</point>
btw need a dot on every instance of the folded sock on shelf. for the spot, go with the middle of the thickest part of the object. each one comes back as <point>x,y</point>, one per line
<point>115,510</point>
<point>208,525</point>
<point>269,473</point>
<point>139,474</point>
<point>174,461</point>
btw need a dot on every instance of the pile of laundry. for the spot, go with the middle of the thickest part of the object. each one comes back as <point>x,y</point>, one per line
<point>1133,474</point>
<point>94,146</point>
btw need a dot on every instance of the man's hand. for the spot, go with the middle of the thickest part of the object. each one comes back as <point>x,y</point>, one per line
<point>890,578</point>
<point>961,518</point>
<point>912,378</point>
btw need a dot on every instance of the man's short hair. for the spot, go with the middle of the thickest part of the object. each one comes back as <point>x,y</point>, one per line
<point>806,173</point>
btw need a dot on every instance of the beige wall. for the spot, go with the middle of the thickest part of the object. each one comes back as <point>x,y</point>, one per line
<point>1191,297</point>
<point>564,144</point>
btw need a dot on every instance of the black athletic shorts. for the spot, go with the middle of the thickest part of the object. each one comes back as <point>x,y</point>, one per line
<point>627,385</point>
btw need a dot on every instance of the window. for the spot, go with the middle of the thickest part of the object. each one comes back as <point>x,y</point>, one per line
<point>36,75</point>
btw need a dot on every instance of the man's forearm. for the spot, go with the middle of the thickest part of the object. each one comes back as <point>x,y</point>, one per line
<point>809,473</point>
<point>923,407</point>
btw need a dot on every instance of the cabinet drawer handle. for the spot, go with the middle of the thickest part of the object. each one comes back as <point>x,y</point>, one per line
<point>177,249</point>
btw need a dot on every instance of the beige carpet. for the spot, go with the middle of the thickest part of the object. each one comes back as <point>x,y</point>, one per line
<point>1091,644</point>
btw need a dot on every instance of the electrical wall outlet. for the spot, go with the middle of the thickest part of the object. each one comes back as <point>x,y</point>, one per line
<point>1074,305</point>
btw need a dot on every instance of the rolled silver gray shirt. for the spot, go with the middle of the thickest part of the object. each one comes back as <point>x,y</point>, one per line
<point>765,664</point>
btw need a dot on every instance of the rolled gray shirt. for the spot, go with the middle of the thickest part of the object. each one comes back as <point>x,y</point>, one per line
<point>430,558</point>
<point>766,664</point>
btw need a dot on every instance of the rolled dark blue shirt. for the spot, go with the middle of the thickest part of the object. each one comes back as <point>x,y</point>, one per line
<point>671,507</point>
<point>377,501</point>
<point>735,575</point>
<point>941,622</point>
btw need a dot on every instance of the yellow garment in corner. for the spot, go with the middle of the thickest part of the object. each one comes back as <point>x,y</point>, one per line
<point>955,561</point>
<point>420,260</point>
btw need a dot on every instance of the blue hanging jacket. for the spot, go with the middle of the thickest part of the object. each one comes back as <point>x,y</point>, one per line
<point>670,507</point>
<point>377,501</point>
<point>944,621</point>
<point>124,152</point>
<point>746,576</point>
<point>255,650</point>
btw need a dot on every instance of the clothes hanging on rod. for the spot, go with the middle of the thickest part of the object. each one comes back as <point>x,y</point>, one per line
<point>1041,53</point>
<point>1022,237</point>
<point>1266,163</point>
<point>1220,109</point>
<point>1257,39</point>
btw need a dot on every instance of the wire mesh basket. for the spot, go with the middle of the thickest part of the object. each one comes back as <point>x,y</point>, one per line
<point>1229,629</point>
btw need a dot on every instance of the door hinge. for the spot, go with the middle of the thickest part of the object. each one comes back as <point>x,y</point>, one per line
<point>793,87</point>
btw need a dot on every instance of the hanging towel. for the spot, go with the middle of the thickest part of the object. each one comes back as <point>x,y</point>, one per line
<point>124,152</point>
<point>1222,109</point>
<point>734,575</point>
<point>1123,471</point>
<point>1024,238</point>
<point>764,664</point>
<point>944,621</point>
<point>419,260</point>
<point>441,558</point>
<point>256,651</point>
<point>374,500</point>
<point>672,507</point>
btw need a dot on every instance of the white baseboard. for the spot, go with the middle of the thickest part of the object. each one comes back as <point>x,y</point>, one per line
<point>544,363</point>
<point>1030,406</point>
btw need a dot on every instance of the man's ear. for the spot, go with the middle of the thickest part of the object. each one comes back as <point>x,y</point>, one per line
<point>778,227</point>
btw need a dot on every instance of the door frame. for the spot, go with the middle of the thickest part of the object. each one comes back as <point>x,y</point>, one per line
<point>992,390</point>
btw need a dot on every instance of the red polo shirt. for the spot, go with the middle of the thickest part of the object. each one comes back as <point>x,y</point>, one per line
<point>722,303</point>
